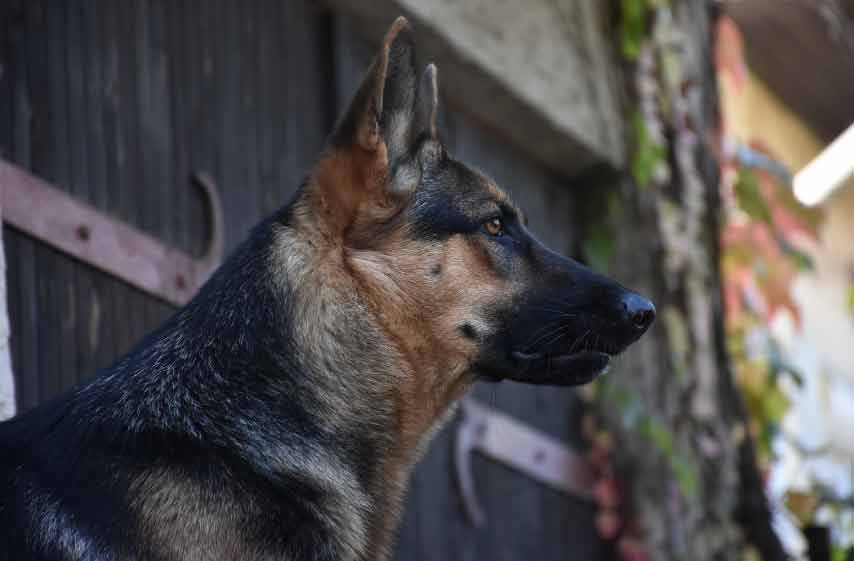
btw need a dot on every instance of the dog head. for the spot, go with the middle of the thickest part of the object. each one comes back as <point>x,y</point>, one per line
<point>444,257</point>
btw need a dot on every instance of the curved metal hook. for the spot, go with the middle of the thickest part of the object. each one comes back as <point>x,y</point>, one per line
<point>212,256</point>
<point>117,248</point>
<point>468,430</point>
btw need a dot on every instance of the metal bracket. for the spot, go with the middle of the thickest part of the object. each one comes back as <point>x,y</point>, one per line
<point>36,207</point>
<point>522,448</point>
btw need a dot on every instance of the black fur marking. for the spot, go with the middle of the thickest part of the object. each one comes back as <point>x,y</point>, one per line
<point>450,200</point>
<point>468,331</point>
<point>207,396</point>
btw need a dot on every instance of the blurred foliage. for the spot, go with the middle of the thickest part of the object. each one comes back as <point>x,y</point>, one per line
<point>635,417</point>
<point>762,240</point>
<point>632,27</point>
<point>633,24</point>
<point>679,339</point>
<point>681,464</point>
<point>760,259</point>
<point>647,154</point>
<point>749,197</point>
<point>602,212</point>
<point>757,380</point>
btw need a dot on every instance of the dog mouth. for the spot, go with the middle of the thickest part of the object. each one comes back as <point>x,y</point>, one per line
<point>554,369</point>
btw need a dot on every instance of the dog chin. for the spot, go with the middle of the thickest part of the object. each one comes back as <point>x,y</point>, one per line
<point>554,370</point>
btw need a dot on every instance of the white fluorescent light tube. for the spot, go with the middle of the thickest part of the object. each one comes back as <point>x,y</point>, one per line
<point>829,170</point>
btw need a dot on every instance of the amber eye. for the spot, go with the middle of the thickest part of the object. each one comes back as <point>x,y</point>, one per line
<point>495,227</point>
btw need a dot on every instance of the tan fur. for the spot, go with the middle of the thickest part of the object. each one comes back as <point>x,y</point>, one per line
<point>187,520</point>
<point>391,293</point>
<point>183,523</point>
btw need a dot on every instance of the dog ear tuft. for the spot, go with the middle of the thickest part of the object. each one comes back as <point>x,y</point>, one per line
<point>427,104</point>
<point>399,91</point>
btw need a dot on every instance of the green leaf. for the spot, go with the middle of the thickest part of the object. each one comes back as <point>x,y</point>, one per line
<point>632,27</point>
<point>779,364</point>
<point>749,196</point>
<point>602,210</point>
<point>658,434</point>
<point>599,248</point>
<point>625,401</point>
<point>802,261</point>
<point>849,298</point>
<point>684,470</point>
<point>686,475</point>
<point>840,553</point>
<point>677,336</point>
<point>648,154</point>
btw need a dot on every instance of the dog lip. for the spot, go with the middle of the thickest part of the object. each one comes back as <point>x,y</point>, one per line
<point>519,355</point>
<point>529,357</point>
<point>572,369</point>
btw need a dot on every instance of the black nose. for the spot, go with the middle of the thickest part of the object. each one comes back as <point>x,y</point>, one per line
<point>639,312</point>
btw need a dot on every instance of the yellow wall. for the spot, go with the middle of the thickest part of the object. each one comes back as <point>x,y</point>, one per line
<point>755,113</point>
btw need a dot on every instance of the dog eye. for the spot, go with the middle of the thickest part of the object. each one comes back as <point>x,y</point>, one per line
<point>495,227</point>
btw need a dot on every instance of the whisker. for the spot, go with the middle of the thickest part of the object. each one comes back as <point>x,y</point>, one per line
<point>579,340</point>
<point>558,334</point>
<point>554,328</point>
<point>551,336</point>
<point>541,329</point>
<point>563,313</point>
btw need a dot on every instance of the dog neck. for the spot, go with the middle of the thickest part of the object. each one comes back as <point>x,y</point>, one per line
<point>368,373</point>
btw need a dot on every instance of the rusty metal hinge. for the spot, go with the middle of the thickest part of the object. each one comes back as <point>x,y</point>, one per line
<point>522,448</point>
<point>41,210</point>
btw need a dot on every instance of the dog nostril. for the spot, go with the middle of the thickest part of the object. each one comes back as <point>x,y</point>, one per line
<point>642,319</point>
<point>639,311</point>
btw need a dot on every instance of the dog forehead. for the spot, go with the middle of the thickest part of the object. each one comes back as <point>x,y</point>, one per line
<point>470,189</point>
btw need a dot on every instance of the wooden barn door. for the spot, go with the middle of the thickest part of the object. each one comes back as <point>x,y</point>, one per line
<point>118,102</point>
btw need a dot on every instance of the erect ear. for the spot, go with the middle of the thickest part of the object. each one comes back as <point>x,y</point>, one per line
<point>371,163</point>
<point>380,116</point>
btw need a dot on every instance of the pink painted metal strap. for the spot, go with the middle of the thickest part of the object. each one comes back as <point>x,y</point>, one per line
<point>527,450</point>
<point>36,207</point>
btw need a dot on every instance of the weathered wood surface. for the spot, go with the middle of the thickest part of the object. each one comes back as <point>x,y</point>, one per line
<point>118,102</point>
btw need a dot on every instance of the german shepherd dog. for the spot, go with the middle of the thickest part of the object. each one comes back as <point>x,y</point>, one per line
<point>278,415</point>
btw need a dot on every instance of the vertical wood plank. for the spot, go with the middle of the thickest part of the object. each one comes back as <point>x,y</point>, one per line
<point>75,283</point>
<point>50,159</point>
<point>94,337</point>
<point>22,272</point>
<point>162,159</point>
<point>267,74</point>
<point>171,24</point>
<point>137,201</point>
<point>116,156</point>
